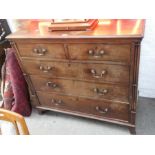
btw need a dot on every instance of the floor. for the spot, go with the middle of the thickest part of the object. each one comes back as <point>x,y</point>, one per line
<point>52,123</point>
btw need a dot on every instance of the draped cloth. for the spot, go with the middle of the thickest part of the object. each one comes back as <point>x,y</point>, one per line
<point>14,88</point>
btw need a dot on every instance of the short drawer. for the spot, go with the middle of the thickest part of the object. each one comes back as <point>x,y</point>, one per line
<point>81,88</point>
<point>86,106</point>
<point>85,71</point>
<point>106,52</point>
<point>53,51</point>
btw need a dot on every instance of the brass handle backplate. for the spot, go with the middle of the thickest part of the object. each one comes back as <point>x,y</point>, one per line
<point>95,53</point>
<point>40,51</point>
<point>52,84</point>
<point>100,91</point>
<point>102,111</point>
<point>45,69</point>
<point>95,75</point>
<point>56,102</point>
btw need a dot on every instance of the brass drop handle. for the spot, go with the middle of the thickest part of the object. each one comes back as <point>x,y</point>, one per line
<point>52,84</point>
<point>94,73</point>
<point>40,51</point>
<point>96,53</point>
<point>56,102</point>
<point>45,69</point>
<point>100,92</point>
<point>102,111</point>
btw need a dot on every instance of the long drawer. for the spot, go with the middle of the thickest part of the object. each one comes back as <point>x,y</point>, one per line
<point>98,108</point>
<point>88,71</point>
<point>81,88</point>
<point>107,52</point>
<point>42,50</point>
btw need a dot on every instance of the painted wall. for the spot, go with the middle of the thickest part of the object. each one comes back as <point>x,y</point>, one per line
<point>147,61</point>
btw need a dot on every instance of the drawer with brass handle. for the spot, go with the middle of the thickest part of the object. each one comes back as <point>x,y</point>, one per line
<point>84,71</point>
<point>84,105</point>
<point>106,52</point>
<point>33,50</point>
<point>91,90</point>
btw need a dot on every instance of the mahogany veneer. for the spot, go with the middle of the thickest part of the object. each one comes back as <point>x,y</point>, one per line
<point>92,74</point>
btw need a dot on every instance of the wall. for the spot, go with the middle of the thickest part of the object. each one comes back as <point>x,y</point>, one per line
<point>147,61</point>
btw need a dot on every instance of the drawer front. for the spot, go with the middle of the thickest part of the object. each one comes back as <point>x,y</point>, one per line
<point>87,71</point>
<point>87,106</point>
<point>120,53</point>
<point>80,88</point>
<point>53,51</point>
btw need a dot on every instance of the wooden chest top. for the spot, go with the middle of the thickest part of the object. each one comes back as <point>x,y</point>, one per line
<point>122,28</point>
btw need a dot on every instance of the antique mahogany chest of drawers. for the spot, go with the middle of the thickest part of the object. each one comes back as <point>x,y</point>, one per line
<point>93,74</point>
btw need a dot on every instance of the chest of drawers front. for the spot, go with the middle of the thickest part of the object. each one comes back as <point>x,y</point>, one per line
<point>95,78</point>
